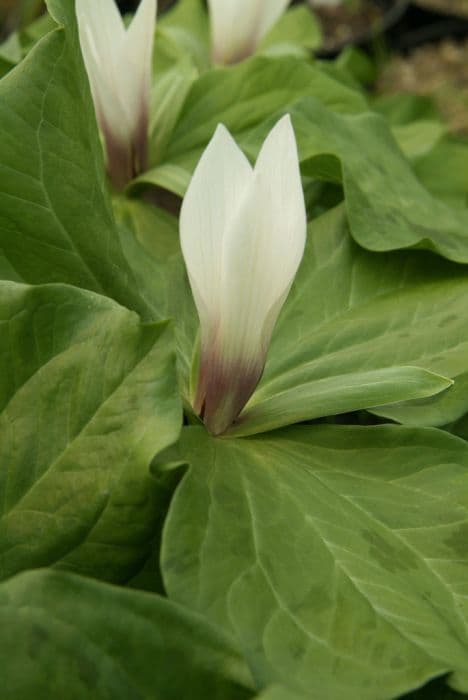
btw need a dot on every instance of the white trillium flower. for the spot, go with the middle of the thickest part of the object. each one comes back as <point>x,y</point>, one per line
<point>119,66</point>
<point>238,26</point>
<point>243,233</point>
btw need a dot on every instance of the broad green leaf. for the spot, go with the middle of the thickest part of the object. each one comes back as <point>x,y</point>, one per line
<point>459,427</point>
<point>337,555</point>
<point>168,95</point>
<point>156,229</point>
<point>356,330</point>
<point>443,171</point>
<point>335,71</point>
<point>241,97</point>
<point>244,95</point>
<point>10,49</point>
<point>280,692</point>
<point>56,223</point>
<point>88,396</point>
<point>168,476</point>
<point>303,398</point>
<point>17,45</point>
<point>5,66</point>
<point>352,314</point>
<point>36,30</point>
<point>161,275</point>
<point>404,108</point>
<point>64,636</point>
<point>437,410</point>
<point>418,138</point>
<point>357,64</point>
<point>10,53</point>
<point>150,239</point>
<point>296,32</point>
<point>186,25</point>
<point>168,176</point>
<point>7,272</point>
<point>388,207</point>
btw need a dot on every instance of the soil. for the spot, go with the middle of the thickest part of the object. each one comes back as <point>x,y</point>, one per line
<point>449,7</point>
<point>436,70</point>
<point>346,22</point>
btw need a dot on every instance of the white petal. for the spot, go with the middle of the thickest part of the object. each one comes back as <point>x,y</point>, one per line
<point>233,28</point>
<point>264,246</point>
<point>102,36</point>
<point>105,21</point>
<point>213,198</point>
<point>138,57</point>
<point>272,11</point>
<point>237,26</point>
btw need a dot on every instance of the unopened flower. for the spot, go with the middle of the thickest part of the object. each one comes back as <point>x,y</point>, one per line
<point>119,63</point>
<point>238,26</point>
<point>243,233</point>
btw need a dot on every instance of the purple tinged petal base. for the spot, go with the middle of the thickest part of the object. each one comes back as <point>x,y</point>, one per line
<point>223,390</point>
<point>125,161</point>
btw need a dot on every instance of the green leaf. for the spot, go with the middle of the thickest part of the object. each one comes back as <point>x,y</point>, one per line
<point>280,692</point>
<point>303,398</point>
<point>241,97</point>
<point>357,64</point>
<point>88,396</point>
<point>435,411</point>
<point>168,476</point>
<point>418,138</point>
<point>36,30</point>
<point>155,228</point>
<point>63,636</point>
<point>404,108</point>
<point>150,238</point>
<point>10,53</point>
<point>296,32</point>
<point>168,176</point>
<point>459,427</point>
<point>186,26</point>
<point>56,223</point>
<point>350,315</point>
<point>337,555</point>
<point>388,207</point>
<point>355,331</point>
<point>168,95</point>
<point>443,171</point>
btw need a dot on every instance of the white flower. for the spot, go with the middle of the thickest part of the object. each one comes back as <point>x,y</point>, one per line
<point>238,26</point>
<point>243,233</point>
<point>119,64</point>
